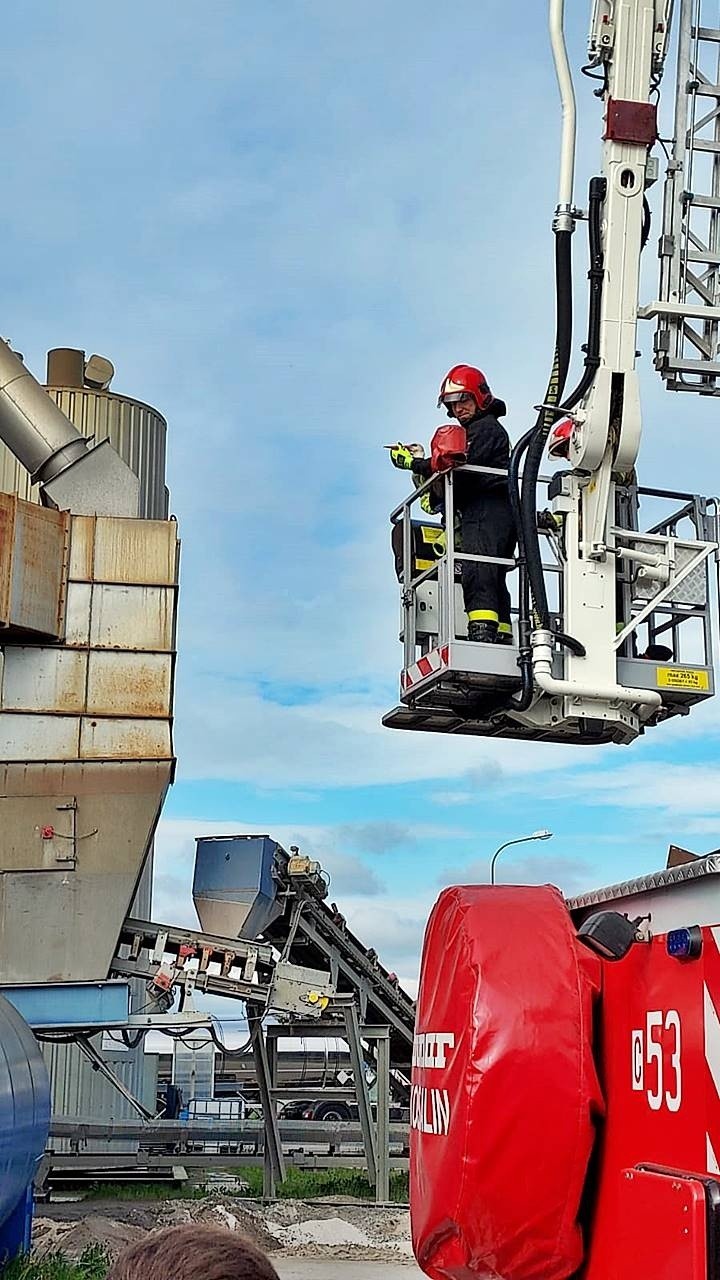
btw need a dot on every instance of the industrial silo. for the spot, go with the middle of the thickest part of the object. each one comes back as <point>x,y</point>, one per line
<point>24,1119</point>
<point>81,388</point>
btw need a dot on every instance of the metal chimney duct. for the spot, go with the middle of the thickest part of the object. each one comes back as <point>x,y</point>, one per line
<point>32,426</point>
<point>72,476</point>
<point>65,367</point>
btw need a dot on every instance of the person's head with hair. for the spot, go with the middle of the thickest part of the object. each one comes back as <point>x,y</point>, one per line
<point>192,1253</point>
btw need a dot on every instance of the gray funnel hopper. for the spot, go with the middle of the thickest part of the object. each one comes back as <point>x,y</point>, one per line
<point>234,889</point>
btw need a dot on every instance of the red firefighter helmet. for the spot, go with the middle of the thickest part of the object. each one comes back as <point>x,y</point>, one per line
<point>464,380</point>
<point>559,438</point>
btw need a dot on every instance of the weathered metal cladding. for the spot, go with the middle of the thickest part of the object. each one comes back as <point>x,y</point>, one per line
<point>86,752</point>
<point>24,1107</point>
<point>75,839</point>
<point>137,431</point>
<point>33,569</point>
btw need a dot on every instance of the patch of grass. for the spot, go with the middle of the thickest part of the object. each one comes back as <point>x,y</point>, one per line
<point>143,1191</point>
<point>93,1265</point>
<point>309,1184</point>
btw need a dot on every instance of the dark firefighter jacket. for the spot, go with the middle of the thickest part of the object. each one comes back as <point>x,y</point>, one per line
<point>488,446</point>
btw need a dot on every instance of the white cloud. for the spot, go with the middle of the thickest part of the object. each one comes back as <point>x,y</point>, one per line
<point>662,786</point>
<point>394,927</point>
<point>229,731</point>
<point>175,860</point>
<point>572,875</point>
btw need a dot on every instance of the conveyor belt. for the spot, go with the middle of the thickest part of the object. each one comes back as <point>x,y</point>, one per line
<point>250,885</point>
<point>322,940</point>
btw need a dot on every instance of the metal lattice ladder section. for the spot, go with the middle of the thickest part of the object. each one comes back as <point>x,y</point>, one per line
<point>687,342</point>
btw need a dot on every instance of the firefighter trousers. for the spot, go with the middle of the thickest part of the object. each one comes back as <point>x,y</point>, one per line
<point>487,528</point>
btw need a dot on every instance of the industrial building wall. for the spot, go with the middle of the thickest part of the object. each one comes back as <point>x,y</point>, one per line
<point>82,1093</point>
<point>138,433</point>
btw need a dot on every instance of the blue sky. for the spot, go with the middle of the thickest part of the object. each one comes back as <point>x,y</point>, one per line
<point>283,223</point>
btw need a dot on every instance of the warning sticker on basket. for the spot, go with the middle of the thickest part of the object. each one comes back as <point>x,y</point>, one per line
<point>432,533</point>
<point>682,678</point>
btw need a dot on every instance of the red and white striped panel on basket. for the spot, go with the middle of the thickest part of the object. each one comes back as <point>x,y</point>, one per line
<point>430,662</point>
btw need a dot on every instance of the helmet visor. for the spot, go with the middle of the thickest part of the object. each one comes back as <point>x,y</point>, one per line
<point>453,397</point>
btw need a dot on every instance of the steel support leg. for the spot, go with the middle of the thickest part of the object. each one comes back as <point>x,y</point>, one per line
<point>352,1027</point>
<point>382,1184</point>
<point>273,1162</point>
<point>271,1049</point>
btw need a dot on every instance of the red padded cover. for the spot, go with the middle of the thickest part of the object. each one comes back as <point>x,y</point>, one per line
<point>504,1087</point>
<point>448,447</point>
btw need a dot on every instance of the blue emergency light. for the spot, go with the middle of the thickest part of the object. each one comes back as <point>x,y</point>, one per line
<point>685,944</point>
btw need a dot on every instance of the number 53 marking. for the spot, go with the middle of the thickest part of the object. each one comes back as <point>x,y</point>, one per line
<point>658,1046</point>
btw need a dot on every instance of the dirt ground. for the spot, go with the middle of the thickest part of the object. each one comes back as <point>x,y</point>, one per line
<point>307,1239</point>
<point>328,1270</point>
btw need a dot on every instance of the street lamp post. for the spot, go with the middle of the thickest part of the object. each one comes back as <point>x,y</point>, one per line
<point>536,835</point>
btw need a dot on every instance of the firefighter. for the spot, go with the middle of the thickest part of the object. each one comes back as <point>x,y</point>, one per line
<point>483,504</point>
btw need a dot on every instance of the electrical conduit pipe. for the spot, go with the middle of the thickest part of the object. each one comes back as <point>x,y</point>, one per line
<point>564,215</point>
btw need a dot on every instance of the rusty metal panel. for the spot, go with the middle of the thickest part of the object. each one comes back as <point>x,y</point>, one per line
<point>135,551</point>
<point>33,567</point>
<point>28,737</point>
<point>129,684</point>
<point>77,613</point>
<point>39,679</point>
<point>82,548</point>
<point>141,779</point>
<point>125,617</point>
<point>109,739</point>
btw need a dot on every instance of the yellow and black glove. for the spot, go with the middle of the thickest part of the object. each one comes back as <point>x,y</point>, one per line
<point>401,457</point>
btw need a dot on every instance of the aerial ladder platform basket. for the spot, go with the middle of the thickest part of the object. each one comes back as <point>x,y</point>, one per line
<point>614,584</point>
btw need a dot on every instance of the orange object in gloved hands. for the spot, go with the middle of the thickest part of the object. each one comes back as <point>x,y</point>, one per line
<point>448,447</point>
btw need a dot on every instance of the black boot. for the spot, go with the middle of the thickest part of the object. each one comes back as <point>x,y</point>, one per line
<point>482,632</point>
<point>504,637</point>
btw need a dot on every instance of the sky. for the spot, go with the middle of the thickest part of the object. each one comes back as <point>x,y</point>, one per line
<point>283,223</point>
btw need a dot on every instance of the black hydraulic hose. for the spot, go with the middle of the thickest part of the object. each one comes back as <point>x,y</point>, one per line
<point>524,698</point>
<point>598,188</point>
<point>527,688</point>
<point>525,512</point>
<point>561,362</point>
<point>646,225</point>
<point>536,446</point>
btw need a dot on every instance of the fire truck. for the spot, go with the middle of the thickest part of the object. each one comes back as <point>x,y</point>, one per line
<point>565,1103</point>
<point>565,1100</point>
